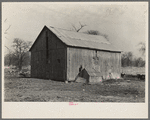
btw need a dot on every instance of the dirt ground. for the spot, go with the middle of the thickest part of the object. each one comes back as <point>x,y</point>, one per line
<point>30,89</point>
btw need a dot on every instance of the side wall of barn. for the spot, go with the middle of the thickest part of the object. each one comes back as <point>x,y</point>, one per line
<point>48,57</point>
<point>102,61</point>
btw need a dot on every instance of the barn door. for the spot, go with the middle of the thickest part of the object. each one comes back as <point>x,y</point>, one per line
<point>50,64</point>
<point>58,66</point>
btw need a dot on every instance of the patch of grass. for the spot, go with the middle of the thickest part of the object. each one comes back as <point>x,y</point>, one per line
<point>31,89</point>
<point>113,81</point>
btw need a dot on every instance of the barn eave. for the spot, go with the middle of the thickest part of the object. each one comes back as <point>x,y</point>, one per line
<point>72,46</point>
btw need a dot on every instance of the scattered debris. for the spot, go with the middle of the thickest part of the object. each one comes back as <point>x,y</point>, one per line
<point>66,82</point>
<point>128,80</point>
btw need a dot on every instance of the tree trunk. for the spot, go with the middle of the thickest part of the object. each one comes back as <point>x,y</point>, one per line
<point>20,66</point>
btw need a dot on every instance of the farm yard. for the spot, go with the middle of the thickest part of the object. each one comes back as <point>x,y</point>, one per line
<point>21,89</point>
<point>75,60</point>
<point>86,68</point>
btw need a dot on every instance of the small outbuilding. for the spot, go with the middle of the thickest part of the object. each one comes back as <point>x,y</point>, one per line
<point>58,54</point>
<point>89,76</point>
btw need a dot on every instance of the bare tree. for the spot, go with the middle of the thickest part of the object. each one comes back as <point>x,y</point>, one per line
<point>9,57</point>
<point>6,30</point>
<point>142,48</point>
<point>78,29</point>
<point>20,49</point>
<point>126,59</point>
<point>95,32</point>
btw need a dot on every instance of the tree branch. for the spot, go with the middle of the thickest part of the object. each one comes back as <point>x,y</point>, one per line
<point>74,27</point>
<point>81,26</point>
<point>5,20</point>
<point>8,28</point>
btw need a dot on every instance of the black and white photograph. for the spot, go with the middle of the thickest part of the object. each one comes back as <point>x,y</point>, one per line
<point>75,53</point>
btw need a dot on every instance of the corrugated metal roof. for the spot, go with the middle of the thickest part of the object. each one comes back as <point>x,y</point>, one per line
<point>78,39</point>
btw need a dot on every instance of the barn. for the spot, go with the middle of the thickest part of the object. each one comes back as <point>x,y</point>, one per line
<point>58,54</point>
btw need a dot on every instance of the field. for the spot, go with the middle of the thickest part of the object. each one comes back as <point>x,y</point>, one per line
<point>18,89</point>
<point>132,70</point>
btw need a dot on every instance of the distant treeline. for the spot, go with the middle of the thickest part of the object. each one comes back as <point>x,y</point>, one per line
<point>127,59</point>
<point>12,59</point>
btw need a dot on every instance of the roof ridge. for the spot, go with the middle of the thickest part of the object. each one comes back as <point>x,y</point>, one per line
<point>61,28</point>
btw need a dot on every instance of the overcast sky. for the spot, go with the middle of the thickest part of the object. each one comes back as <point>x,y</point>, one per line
<point>124,23</point>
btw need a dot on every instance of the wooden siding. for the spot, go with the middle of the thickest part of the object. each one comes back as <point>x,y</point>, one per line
<point>105,62</point>
<point>51,63</point>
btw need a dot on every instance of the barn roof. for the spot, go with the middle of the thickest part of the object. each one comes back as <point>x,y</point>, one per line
<point>77,39</point>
